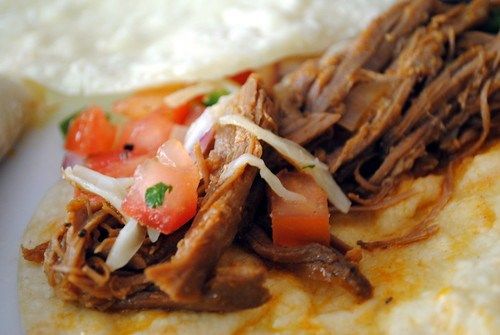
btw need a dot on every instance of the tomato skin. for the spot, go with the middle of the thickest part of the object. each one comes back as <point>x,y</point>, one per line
<point>173,167</point>
<point>179,114</point>
<point>142,104</point>
<point>297,223</point>
<point>78,192</point>
<point>148,133</point>
<point>241,77</point>
<point>136,107</point>
<point>90,133</point>
<point>196,108</point>
<point>117,164</point>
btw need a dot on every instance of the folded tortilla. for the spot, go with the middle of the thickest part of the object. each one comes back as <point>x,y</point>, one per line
<point>96,47</point>
<point>447,284</point>
<point>16,104</point>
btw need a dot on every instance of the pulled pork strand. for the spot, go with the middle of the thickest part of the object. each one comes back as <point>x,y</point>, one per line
<point>417,89</point>
<point>314,260</point>
<point>424,229</point>
<point>35,254</point>
<point>80,275</point>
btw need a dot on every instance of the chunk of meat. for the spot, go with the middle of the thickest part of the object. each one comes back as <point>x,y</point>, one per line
<point>363,101</point>
<point>469,72</point>
<point>419,59</point>
<point>373,129</point>
<point>451,81</point>
<point>304,129</point>
<point>78,273</point>
<point>236,285</point>
<point>317,261</point>
<point>378,39</point>
<point>473,38</point>
<point>217,220</point>
<point>35,254</point>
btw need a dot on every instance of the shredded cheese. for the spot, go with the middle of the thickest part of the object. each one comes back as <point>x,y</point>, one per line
<point>298,157</point>
<point>265,173</point>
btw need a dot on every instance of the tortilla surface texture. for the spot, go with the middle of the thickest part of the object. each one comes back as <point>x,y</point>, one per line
<point>16,104</point>
<point>101,47</point>
<point>448,284</point>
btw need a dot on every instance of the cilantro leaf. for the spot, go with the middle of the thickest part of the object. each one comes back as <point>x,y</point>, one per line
<point>213,97</point>
<point>155,195</point>
<point>310,166</point>
<point>65,123</point>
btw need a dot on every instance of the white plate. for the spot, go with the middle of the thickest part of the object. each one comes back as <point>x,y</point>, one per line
<point>25,176</point>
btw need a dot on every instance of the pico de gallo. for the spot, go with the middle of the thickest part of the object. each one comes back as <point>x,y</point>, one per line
<point>148,140</point>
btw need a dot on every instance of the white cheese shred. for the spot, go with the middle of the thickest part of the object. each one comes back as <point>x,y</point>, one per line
<point>265,173</point>
<point>298,157</point>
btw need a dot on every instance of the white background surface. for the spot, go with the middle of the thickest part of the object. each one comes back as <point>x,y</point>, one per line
<point>25,176</point>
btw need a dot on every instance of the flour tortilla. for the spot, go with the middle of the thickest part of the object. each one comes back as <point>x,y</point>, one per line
<point>101,47</point>
<point>446,285</point>
<point>16,105</point>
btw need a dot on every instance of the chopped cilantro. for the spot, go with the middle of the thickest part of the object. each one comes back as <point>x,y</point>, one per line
<point>155,195</point>
<point>310,166</point>
<point>64,124</point>
<point>213,97</point>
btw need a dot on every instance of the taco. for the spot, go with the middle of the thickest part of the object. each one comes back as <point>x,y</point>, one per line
<point>355,193</point>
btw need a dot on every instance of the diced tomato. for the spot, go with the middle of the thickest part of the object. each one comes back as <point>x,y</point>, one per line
<point>137,107</point>
<point>241,77</point>
<point>173,167</point>
<point>195,110</point>
<point>296,223</point>
<point>143,103</point>
<point>148,133</point>
<point>90,133</point>
<point>178,114</point>
<point>179,132</point>
<point>117,164</point>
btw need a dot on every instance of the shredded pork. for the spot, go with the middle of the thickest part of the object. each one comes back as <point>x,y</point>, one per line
<point>418,89</point>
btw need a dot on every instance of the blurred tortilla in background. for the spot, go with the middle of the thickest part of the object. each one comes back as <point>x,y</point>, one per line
<point>17,102</point>
<point>94,47</point>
